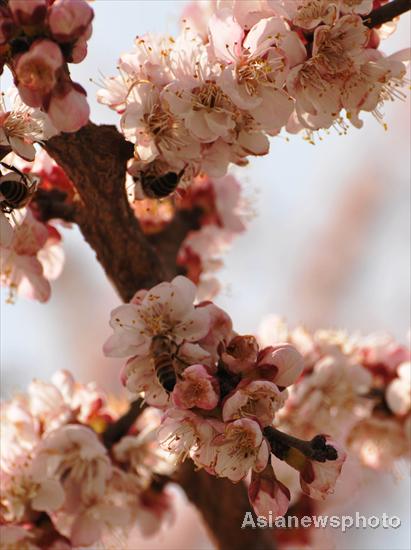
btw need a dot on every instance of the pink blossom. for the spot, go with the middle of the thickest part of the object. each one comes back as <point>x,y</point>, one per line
<point>267,494</point>
<point>241,353</point>
<point>240,448</point>
<point>68,108</point>
<point>220,329</point>
<point>310,14</point>
<point>257,399</point>
<point>36,71</point>
<point>166,309</point>
<point>74,456</point>
<point>398,393</point>
<point>362,7</point>
<point>377,79</point>
<point>23,491</point>
<point>68,20</point>
<point>139,377</point>
<point>198,388</point>
<point>179,433</point>
<point>380,442</point>
<point>155,131</point>
<point>114,94</point>
<point>21,268</point>
<point>16,536</point>
<point>250,12</point>
<point>317,83</point>
<point>282,363</point>
<point>22,126</point>
<point>194,96</point>
<point>256,68</point>
<point>381,349</point>
<point>142,455</point>
<point>318,479</point>
<point>230,203</point>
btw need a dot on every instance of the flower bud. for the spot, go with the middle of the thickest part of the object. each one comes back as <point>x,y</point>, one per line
<point>36,71</point>
<point>267,494</point>
<point>68,20</point>
<point>30,12</point>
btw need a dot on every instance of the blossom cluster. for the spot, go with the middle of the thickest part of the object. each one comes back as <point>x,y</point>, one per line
<point>219,393</point>
<point>30,256</point>
<point>214,212</point>
<point>31,249</point>
<point>63,484</point>
<point>37,40</point>
<point>241,71</point>
<point>359,387</point>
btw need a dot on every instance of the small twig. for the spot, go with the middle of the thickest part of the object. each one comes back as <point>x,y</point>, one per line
<point>121,427</point>
<point>386,13</point>
<point>316,449</point>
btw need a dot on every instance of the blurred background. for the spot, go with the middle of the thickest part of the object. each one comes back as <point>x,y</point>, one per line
<point>328,246</point>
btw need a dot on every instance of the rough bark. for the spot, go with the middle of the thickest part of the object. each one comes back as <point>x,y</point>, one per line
<point>223,506</point>
<point>95,160</point>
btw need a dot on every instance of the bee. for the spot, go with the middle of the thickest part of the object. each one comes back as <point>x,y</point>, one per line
<point>158,187</point>
<point>16,189</point>
<point>163,352</point>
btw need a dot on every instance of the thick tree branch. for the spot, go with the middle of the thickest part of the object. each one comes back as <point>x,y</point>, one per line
<point>167,242</point>
<point>223,505</point>
<point>387,12</point>
<point>52,204</point>
<point>95,160</point>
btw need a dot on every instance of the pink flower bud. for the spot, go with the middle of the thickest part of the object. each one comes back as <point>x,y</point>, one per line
<point>267,494</point>
<point>69,111</point>
<point>78,52</point>
<point>36,71</point>
<point>28,13</point>
<point>197,389</point>
<point>288,362</point>
<point>68,20</point>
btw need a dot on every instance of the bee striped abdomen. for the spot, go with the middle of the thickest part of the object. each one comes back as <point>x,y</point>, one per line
<point>14,192</point>
<point>161,186</point>
<point>165,372</point>
<point>162,351</point>
<point>16,188</point>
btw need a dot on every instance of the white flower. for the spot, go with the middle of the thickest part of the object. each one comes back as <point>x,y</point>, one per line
<point>22,126</point>
<point>166,309</point>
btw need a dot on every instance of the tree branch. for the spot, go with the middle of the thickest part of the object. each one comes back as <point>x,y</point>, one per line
<point>52,204</point>
<point>95,160</point>
<point>120,428</point>
<point>223,506</point>
<point>168,242</point>
<point>387,13</point>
